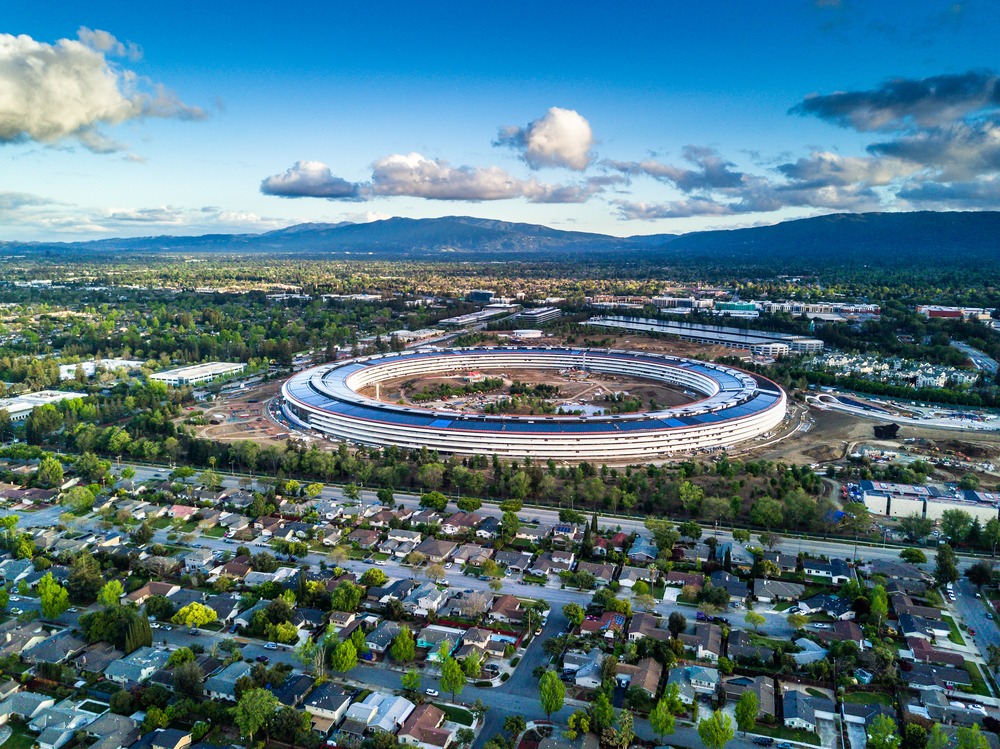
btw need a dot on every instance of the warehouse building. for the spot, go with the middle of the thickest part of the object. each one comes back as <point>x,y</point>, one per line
<point>197,374</point>
<point>762,342</point>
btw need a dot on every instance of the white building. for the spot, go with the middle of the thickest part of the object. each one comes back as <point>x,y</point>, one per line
<point>22,405</point>
<point>197,373</point>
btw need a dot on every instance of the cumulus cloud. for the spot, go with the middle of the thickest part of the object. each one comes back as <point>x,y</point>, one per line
<point>417,176</point>
<point>309,179</point>
<point>902,103</point>
<point>958,151</point>
<point>68,90</point>
<point>561,138</point>
<point>977,194</point>
<point>711,172</point>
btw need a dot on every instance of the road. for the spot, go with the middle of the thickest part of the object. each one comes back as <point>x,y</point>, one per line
<point>973,612</point>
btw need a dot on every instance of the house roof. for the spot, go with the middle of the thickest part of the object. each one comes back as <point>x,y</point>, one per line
<point>645,674</point>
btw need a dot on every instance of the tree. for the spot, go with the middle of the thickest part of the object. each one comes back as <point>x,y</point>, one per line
<point>515,725</point>
<point>690,529</point>
<point>195,615</point>
<point>111,594</point>
<point>345,657</point>
<point>914,736</point>
<point>143,534</point>
<point>883,733</point>
<point>435,572</point>
<point>741,536</point>
<point>434,501</point>
<point>991,535</point>
<point>85,579</point>
<point>746,711</point>
<point>575,613</point>
<point>770,539</point>
<point>970,737</point>
<point>403,647</point>
<point>915,527</point>
<point>755,620</point>
<point>181,655</point>
<point>915,556</point>
<point>374,578</point>
<point>955,525</point>
<point>452,677</point>
<point>661,720</point>
<point>551,693</point>
<point>878,605</point>
<point>472,665</point>
<point>937,738</point>
<point>254,709</point>
<point>54,597</point>
<point>465,736</point>
<point>946,567</point>
<point>469,504</point>
<point>602,714</point>
<point>411,680</point>
<point>677,623</point>
<point>50,472</point>
<point>797,621</point>
<point>189,679</point>
<point>980,574</point>
<point>716,731</point>
<point>626,729</point>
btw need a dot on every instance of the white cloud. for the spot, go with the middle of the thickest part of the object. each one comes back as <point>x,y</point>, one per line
<point>561,138</point>
<point>67,90</point>
<point>308,179</point>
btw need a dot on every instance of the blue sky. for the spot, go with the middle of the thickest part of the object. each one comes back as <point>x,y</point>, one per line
<point>139,119</point>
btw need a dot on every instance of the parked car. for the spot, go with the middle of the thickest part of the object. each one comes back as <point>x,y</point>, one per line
<point>431,692</point>
<point>271,646</point>
<point>262,659</point>
<point>449,565</point>
<point>763,740</point>
<point>784,745</point>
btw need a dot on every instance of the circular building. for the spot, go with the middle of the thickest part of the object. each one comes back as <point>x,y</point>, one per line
<point>734,406</point>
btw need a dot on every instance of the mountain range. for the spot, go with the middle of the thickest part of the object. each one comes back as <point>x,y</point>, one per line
<point>919,239</point>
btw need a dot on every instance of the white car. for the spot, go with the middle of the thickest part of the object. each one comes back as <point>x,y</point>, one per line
<point>449,565</point>
<point>431,692</point>
<point>15,598</point>
<point>381,563</point>
<point>820,625</point>
<point>16,612</point>
<point>271,646</point>
<point>154,625</point>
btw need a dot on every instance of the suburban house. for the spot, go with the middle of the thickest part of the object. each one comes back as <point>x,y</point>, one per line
<point>918,626</point>
<point>736,588</point>
<point>743,650</point>
<point>804,711</point>
<point>831,605</point>
<point>836,571</point>
<point>703,680</point>
<point>761,686</point>
<point>381,712</point>
<point>424,728</point>
<point>631,575</point>
<point>379,640</point>
<point>603,573</point>
<point>642,550</point>
<point>515,561</point>
<point>774,591</point>
<point>706,642</point>
<point>327,705</point>
<point>222,686</point>
<point>489,529</point>
<point>644,624</point>
<point>507,609</point>
<point>137,667</point>
<point>437,551</point>
<point>644,675</point>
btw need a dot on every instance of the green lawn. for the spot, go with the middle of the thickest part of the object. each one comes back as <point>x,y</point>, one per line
<point>535,579</point>
<point>784,606</point>
<point>456,714</point>
<point>816,692</point>
<point>791,734</point>
<point>955,636</point>
<point>869,698</point>
<point>160,523</point>
<point>380,556</point>
<point>357,554</point>
<point>978,683</point>
<point>20,738</point>
<point>216,532</point>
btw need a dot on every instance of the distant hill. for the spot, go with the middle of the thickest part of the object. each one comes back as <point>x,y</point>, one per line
<point>885,240</point>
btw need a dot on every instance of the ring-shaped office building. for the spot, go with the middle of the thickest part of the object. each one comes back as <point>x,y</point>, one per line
<point>734,406</point>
